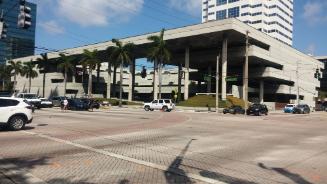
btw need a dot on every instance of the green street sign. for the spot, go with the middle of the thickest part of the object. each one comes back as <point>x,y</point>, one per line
<point>231,79</point>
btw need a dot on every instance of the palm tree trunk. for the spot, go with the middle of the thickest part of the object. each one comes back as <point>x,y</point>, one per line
<point>3,84</point>
<point>43,90</point>
<point>155,81</point>
<point>109,81</point>
<point>160,79</point>
<point>90,83</point>
<point>29,84</point>
<point>14,88</point>
<point>179,93</point>
<point>121,86</point>
<point>114,82</point>
<point>65,83</point>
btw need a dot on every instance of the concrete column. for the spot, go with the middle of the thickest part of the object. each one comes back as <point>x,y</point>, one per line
<point>224,68</point>
<point>133,78</point>
<point>130,82</point>
<point>246,72</point>
<point>209,81</point>
<point>179,90</point>
<point>187,73</point>
<point>262,86</point>
<point>155,81</point>
<point>109,81</point>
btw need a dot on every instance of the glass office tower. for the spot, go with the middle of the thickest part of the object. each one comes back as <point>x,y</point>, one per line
<point>19,42</point>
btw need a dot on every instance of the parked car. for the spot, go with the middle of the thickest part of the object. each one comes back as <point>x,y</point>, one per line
<point>31,98</point>
<point>301,109</point>
<point>289,108</point>
<point>91,103</point>
<point>15,113</point>
<point>162,104</point>
<point>257,109</point>
<point>56,100</point>
<point>235,109</point>
<point>77,104</point>
<point>45,103</point>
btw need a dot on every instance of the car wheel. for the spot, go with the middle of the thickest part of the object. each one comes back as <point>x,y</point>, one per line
<point>16,123</point>
<point>146,108</point>
<point>164,108</point>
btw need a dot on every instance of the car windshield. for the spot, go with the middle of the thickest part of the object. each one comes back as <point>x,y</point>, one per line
<point>301,106</point>
<point>30,96</point>
<point>255,106</point>
<point>289,105</point>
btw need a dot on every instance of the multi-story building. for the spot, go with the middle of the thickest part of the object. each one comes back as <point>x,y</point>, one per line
<point>19,42</point>
<point>323,80</point>
<point>274,17</point>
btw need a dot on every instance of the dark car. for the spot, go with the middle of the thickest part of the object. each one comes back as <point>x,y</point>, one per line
<point>301,109</point>
<point>92,104</point>
<point>77,104</point>
<point>57,100</point>
<point>234,110</point>
<point>257,109</point>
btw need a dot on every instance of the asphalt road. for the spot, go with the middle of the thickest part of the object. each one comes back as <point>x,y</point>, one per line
<point>132,146</point>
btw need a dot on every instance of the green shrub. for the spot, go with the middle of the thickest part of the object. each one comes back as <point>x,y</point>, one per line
<point>203,101</point>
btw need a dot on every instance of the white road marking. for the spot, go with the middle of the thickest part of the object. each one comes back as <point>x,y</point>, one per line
<point>129,159</point>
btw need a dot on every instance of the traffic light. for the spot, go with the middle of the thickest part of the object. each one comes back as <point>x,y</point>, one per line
<point>24,17</point>
<point>143,73</point>
<point>3,29</point>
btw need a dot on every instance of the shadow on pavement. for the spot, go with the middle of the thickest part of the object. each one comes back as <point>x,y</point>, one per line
<point>5,129</point>
<point>170,175</point>
<point>298,179</point>
<point>124,181</point>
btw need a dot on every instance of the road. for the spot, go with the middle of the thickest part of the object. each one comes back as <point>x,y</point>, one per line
<point>132,146</point>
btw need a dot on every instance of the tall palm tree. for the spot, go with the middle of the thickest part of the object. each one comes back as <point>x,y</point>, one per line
<point>66,64</point>
<point>159,54</point>
<point>122,54</point>
<point>84,65</point>
<point>43,65</point>
<point>29,72</point>
<point>91,58</point>
<point>16,68</point>
<point>5,73</point>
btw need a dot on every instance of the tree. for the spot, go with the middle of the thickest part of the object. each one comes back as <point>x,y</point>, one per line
<point>5,74</point>
<point>122,54</point>
<point>16,68</point>
<point>91,58</point>
<point>29,72</point>
<point>66,64</point>
<point>159,54</point>
<point>110,64</point>
<point>43,65</point>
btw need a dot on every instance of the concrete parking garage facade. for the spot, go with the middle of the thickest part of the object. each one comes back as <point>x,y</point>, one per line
<point>276,72</point>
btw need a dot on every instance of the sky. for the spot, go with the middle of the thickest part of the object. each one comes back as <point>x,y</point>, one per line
<point>72,23</point>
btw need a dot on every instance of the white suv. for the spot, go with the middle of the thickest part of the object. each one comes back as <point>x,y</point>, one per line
<point>161,104</point>
<point>15,113</point>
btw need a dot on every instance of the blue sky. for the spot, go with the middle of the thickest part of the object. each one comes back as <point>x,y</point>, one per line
<point>71,23</point>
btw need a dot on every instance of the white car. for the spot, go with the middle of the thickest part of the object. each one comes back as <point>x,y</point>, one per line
<point>161,104</point>
<point>30,98</point>
<point>45,103</point>
<point>15,113</point>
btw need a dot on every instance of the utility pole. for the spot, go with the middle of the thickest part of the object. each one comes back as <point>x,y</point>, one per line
<point>297,83</point>
<point>246,72</point>
<point>217,84</point>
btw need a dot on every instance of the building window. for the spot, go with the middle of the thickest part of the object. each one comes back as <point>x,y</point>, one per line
<point>232,1</point>
<point>221,15</point>
<point>234,12</point>
<point>221,2</point>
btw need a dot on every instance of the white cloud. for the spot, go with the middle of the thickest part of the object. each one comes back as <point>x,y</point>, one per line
<point>98,12</point>
<point>192,7</point>
<point>52,27</point>
<point>314,12</point>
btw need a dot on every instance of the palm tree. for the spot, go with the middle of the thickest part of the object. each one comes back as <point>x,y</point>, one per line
<point>159,54</point>
<point>16,67</point>
<point>110,64</point>
<point>91,58</point>
<point>84,65</point>
<point>29,72</point>
<point>43,65</point>
<point>66,64</point>
<point>122,54</point>
<point>5,73</point>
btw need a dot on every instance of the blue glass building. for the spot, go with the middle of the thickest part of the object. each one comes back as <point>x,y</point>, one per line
<point>19,42</point>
